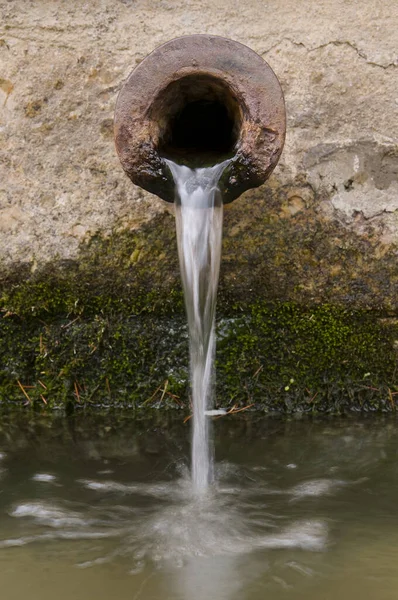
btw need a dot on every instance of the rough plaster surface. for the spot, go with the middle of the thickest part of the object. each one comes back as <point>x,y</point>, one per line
<point>63,63</point>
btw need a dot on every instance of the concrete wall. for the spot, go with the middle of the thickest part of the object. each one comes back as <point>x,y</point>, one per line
<point>63,63</point>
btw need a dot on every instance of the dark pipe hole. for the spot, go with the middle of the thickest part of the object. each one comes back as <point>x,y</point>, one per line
<point>203,126</point>
<point>197,120</point>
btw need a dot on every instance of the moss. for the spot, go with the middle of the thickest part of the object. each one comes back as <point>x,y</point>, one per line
<point>83,332</point>
<point>67,352</point>
<point>288,357</point>
<point>113,360</point>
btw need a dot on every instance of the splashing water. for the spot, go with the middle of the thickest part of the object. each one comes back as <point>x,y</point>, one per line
<point>269,526</point>
<point>199,214</point>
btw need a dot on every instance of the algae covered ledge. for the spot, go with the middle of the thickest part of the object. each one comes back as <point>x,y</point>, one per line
<point>109,329</point>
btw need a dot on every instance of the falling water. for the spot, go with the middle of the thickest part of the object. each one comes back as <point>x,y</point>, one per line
<point>199,214</point>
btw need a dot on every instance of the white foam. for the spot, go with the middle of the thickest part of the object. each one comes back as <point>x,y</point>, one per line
<point>44,478</point>
<point>47,514</point>
<point>216,412</point>
<point>316,487</point>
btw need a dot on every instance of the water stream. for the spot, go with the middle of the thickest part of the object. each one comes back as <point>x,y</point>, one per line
<point>199,214</point>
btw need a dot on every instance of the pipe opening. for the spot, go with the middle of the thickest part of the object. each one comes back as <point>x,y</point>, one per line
<point>198,120</point>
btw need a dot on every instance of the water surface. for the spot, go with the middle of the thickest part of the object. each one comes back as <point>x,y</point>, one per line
<point>103,507</point>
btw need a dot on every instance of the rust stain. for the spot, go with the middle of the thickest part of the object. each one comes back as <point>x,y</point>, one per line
<point>7,87</point>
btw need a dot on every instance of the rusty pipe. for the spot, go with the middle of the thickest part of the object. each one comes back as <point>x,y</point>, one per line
<point>198,100</point>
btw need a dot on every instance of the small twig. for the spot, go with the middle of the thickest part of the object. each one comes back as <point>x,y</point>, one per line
<point>77,392</point>
<point>164,393</point>
<point>237,410</point>
<point>24,392</point>
<point>43,398</point>
<point>187,419</point>
<point>42,384</point>
<point>70,323</point>
<point>153,395</point>
<point>258,371</point>
<point>92,393</point>
<point>368,387</point>
<point>166,383</point>
<point>391,399</point>
<point>313,397</point>
<point>175,398</point>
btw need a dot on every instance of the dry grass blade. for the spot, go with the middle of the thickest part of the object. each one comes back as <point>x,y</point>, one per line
<point>391,399</point>
<point>77,392</point>
<point>153,395</point>
<point>313,397</point>
<point>166,384</point>
<point>234,410</point>
<point>258,371</point>
<point>24,392</point>
<point>164,393</point>
<point>368,387</point>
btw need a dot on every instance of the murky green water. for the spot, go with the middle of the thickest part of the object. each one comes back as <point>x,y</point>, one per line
<point>101,508</point>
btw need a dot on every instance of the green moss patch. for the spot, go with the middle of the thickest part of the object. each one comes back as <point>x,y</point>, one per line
<point>322,358</point>
<point>61,347</point>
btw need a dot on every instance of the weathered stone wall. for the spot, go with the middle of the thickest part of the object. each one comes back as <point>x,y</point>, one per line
<point>78,239</point>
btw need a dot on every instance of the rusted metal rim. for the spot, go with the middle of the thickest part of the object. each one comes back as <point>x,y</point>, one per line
<point>199,99</point>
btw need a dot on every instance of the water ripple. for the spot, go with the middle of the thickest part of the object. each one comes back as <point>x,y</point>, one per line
<point>166,523</point>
